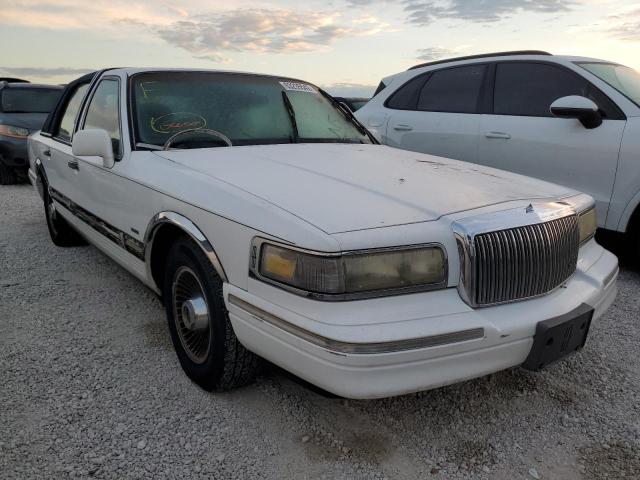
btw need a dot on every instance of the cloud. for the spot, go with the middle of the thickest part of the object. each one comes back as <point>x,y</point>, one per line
<point>208,30</point>
<point>44,72</point>
<point>434,53</point>
<point>73,14</point>
<point>424,12</point>
<point>264,31</point>
<point>346,89</point>
<point>625,26</point>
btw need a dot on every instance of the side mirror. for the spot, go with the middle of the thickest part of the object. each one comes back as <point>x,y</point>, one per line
<point>93,143</point>
<point>580,108</point>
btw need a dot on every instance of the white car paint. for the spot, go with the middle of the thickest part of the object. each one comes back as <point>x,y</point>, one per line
<point>602,162</point>
<point>328,198</point>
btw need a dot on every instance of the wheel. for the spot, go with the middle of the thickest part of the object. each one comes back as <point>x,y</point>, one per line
<point>7,175</point>
<point>62,234</point>
<point>207,348</point>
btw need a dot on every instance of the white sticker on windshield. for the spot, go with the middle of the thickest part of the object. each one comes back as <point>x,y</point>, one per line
<point>298,87</point>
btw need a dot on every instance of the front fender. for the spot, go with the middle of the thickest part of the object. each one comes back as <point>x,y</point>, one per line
<point>187,226</point>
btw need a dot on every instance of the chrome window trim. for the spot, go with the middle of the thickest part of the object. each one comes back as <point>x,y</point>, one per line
<point>466,229</point>
<point>339,347</point>
<point>87,104</point>
<point>254,271</point>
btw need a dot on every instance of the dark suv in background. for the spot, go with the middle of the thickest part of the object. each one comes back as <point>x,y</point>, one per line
<point>23,109</point>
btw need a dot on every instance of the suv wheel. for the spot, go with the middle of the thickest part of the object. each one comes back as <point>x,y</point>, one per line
<point>62,234</point>
<point>7,175</point>
<point>207,348</point>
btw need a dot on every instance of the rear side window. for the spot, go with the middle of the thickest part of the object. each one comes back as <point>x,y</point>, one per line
<point>529,89</point>
<point>104,113</point>
<point>65,132</point>
<point>454,90</point>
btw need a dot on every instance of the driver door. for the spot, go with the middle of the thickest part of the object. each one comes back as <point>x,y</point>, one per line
<point>522,136</point>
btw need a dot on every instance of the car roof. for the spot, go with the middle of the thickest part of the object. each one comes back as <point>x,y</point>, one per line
<point>26,86</point>
<point>507,56</point>
<point>129,71</point>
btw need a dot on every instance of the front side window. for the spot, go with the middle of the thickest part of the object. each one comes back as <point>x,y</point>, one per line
<point>454,90</point>
<point>65,131</point>
<point>104,113</point>
<point>624,79</point>
<point>406,97</point>
<point>29,99</point>
<point>529,89</point>
<point>247,109</point>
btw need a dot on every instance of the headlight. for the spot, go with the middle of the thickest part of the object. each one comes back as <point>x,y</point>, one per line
<point>588,223</point>
<point>352,274</point>
<point>587,217</point>
<point>15,132</point>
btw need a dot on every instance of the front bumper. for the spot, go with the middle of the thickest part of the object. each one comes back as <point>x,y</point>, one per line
<point>13,152</point>
<point>288,335</point>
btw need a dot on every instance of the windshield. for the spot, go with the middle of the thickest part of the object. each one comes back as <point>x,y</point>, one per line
<point>623,79</point>
<point>29,100</point>
<point>248,109</point>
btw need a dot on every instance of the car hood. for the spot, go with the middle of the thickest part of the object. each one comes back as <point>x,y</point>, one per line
<point>347,187</point>
<point>31,121</point>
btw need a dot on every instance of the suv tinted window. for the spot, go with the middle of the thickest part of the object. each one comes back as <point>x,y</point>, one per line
<point>65,131</point>
<point>103,111</point>
<point>453,90</point>
<point>406,97</point>
<point>529,89</point>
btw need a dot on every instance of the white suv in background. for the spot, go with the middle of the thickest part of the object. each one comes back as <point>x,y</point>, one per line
<point>570,120</point>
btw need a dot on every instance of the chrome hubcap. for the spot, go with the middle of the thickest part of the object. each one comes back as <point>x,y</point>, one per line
<point>195,315</point>
<point>191,315</point>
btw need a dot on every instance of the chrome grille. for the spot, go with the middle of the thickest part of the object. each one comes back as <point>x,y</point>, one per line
<point>522,262</point>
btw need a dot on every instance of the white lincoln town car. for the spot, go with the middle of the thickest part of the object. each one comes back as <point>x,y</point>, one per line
<point>273,225</point>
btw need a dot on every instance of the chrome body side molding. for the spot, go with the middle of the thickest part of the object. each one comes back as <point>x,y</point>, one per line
<point>350,348</point>
<point>187,226</point>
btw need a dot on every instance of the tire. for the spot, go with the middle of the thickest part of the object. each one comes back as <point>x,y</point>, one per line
<point>7,175</point>
<point>62,234</point>
<point>634,246</point>
<point>207,348</point>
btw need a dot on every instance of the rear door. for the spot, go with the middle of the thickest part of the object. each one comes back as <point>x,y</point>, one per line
<point>61,175</point>
<point>438,113</point>
<point>522,136</point>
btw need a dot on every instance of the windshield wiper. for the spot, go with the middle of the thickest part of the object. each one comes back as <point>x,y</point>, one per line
<point>350,116</point>
<point>292,116</point>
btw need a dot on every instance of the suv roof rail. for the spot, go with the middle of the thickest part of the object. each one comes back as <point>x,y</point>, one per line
<point>482,55</point>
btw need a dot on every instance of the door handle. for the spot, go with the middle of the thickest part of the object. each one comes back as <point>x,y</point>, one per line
<point>502,135</point>
<point>47,153</point>
<point>403,128</point>
<point>73,164</point>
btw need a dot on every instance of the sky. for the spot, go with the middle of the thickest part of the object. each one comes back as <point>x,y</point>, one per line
<point>345,46</point>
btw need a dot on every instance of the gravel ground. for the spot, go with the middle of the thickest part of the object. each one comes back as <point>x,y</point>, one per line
<point>90,386</point>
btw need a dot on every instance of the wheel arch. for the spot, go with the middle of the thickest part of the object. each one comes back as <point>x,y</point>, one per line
<point>163,230</point>
<point>633,225</point>
<point>630,218</point>
<point>41,178</point>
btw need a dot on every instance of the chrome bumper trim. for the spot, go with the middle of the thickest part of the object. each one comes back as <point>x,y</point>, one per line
<point>349,348</point>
